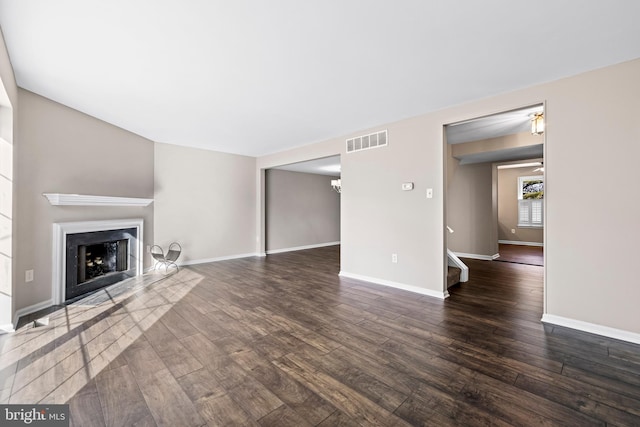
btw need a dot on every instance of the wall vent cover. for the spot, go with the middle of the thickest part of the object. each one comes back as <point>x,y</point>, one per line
<point>365,142</point>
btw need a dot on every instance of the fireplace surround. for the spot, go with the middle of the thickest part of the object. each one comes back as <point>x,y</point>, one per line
<point>90,255</point>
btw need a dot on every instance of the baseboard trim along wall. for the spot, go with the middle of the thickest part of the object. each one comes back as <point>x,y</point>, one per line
<point>301,248</point>
<point>476,256</point>
<point>24,311</point>
<point>222,258</point>
<point>592,328</point>
<point>410,288</point>
<point>517,242</point>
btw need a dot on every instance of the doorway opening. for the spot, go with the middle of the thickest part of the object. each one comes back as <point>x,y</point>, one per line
<point>494,186</point>
<point>302,205</point>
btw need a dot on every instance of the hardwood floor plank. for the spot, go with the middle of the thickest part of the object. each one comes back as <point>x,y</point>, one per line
<point>339,419</point>
<point>167,402</point>
<point>85,409</point>
<point>223,411</point>
<point>358,407</point>
<point>283,416</point>
<point>201,384</point>
<point>604,382</point>
<point>297,397</point>
<point>171,351</point>
<point>254,398</point>
<point>433,408</point>
<point>579,402</point>
<point>122,402</point>
<point>520,408</point>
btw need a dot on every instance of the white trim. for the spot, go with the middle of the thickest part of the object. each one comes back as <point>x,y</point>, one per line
<point>477,256</point>
<point>592,328</point>
<point>301,248</point>
<point>517,242</point>
<point>57,199</point>
<point>410,288</point>
<point>60,231</point>
<point>454,261</point>
<point>30,309</point>
<point>222,258</point>
<point>7,329</point>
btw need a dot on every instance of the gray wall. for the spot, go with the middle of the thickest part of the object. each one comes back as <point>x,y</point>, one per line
<point>64,151</point>
<point>379,219</point>
<point>301,210</point>
<point>206,201</point>
<point>508,207</point>
<point>470,209</point>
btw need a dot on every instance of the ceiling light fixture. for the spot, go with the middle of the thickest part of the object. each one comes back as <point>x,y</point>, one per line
<point>537,124</point>
<point>519,165</point>
<point>336,185</point>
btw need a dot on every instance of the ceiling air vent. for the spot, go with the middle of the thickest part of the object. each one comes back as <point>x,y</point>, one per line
<point>364,142</point>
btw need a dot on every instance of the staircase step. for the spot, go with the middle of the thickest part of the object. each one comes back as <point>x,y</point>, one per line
<point>453,276</point>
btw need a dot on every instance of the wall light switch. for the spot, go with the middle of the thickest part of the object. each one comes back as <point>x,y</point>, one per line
<point>28,276</point>
<point>513,231</point>
<point>429,193</point>
<point>394,258</point>
<point>407,186</point>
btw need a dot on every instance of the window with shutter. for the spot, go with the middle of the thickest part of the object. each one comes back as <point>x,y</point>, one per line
<point>530,201</point>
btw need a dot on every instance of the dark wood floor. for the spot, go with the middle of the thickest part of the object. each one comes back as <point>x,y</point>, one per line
<point>533,255</point>
<point>283,341</point>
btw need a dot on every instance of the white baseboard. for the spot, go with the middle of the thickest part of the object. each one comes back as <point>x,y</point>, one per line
<point>301,248</point>
<point>517,242</point>
<point>31,309</point>
<point>476,256</point>
<point>592,328</point>
<point>222,258</point>
<point>410,288</point>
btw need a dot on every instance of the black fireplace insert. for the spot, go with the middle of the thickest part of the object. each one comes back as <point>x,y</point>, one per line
<point>98,259</point>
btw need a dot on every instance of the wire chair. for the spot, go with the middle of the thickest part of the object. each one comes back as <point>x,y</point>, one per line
<point>169,260</point>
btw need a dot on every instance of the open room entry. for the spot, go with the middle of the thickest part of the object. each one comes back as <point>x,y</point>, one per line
<point>494,187</point>
<point>302,205</point>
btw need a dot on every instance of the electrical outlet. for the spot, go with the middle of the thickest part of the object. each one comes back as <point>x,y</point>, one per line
<point>429,193</point>
<point>28,276</point>
<point>513,231</point>
<point>394,258</point>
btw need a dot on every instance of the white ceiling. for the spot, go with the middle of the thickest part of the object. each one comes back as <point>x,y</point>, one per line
<point>325,166</point>
<point>255,77</point>
<point>496,125</point>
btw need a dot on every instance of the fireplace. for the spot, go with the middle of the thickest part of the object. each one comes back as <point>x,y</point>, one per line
<point>98,259</point>
<point>92,255</point>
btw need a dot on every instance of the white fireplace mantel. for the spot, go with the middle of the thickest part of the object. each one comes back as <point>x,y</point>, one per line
<point>57,199</point>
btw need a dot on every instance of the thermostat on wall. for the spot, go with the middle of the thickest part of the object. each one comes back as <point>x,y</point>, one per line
<point>407,186</point>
